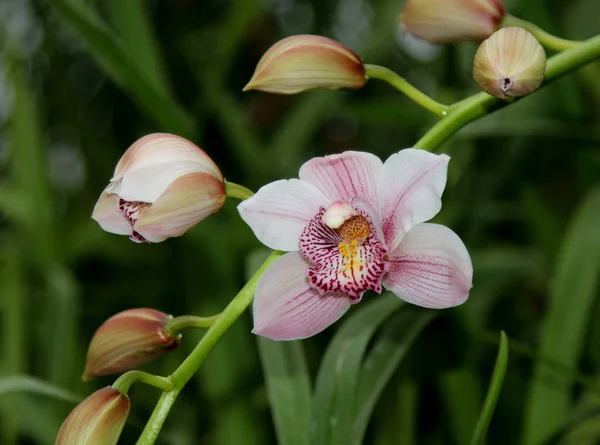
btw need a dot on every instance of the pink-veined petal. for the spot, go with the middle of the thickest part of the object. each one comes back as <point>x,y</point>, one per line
<point>286,307</point>
<point>185,202</point>
<point>410,191</point>
<point>430,268</point>
<point>106,214</point>
<point>159,148</point>
<point>148,183</point>
<point>279,212</point>
<point>344,176</point>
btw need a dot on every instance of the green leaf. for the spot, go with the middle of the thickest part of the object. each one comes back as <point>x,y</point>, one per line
<point>338,377</point>
<point>383,359</point>
<point>130,19</point>
<point>493,392</point>
<point>572,297</point>
<point>111,55</point>
<point>288,389</point>
<point>33,385</point>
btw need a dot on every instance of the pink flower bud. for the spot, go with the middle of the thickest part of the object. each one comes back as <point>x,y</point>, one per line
<point>306,62</point>
<point>162,186</point>
<point>127,340</point>
<point>97,420</point>
<point>451,21</point>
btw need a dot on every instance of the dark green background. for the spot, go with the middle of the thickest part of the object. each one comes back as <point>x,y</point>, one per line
<point>523,193</point>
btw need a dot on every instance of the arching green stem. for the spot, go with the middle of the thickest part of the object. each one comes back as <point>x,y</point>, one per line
<point>546,39</point>
<point>234,190</point>
<point>192,363</point>
<point>124,382</point>
<point>481,104</point>
<point>387,75</point>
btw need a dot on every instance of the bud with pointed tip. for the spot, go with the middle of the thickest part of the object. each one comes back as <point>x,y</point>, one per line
<point>98,420</point>
<point>307,62</point>
<point>162,186</point>
<point>511,63</point>
<point>452,21</point>
<point>127,340</point>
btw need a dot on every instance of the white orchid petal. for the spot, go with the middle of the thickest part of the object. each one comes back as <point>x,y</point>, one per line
<point>106,214</point>
<point>410,191</point>
<point>279,211</point>
<point>430,268</point>
<point>286,307</point>
<point>147,184</point>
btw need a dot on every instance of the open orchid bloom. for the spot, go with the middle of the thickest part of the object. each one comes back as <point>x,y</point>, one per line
<point>350,224</point>
<point>162,186</point>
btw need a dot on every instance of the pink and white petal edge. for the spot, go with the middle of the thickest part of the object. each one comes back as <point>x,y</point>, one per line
<point>186,201</point>
<point>286,307</point>
<point>158,148</point>
<point>430,268</point>
<point>108,216</point>
<point>279,212</point>
<point>344,176</point>
<point>410,191</point>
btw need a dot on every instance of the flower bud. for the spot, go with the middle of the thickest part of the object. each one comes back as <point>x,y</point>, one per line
<point>452,21</point>
<point>511,63</point>
<point>97,420</point>
<point>306,62</point>
<point>162,186</point>
<point>126,340</point>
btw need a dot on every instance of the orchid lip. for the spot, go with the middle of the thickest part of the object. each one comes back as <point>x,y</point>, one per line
<point>350,258</point>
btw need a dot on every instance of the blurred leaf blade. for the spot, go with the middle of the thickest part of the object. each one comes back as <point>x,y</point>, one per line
<point>572,295</point>
<point>399,333</point>
<point>110,54</point>
<point>131,21</point>
<point>493,393</point>
<point>288,389</point>
<point>338,377</point>
<point>33,385</point>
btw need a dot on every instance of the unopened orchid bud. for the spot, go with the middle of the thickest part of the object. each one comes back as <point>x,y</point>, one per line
<point>127,340</point>
<point>452,21</point>
<point>162,186</point>
<point>307,62</point>
<point>98,420</point>
<point>511,63</point>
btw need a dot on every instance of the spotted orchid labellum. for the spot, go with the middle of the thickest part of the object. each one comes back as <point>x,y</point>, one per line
<point>351,224</point>
<point>162,186</point>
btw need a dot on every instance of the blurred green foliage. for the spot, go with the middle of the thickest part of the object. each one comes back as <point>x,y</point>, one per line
<point>81,80</point>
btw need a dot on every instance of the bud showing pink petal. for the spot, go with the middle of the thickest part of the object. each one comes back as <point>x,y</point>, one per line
<point>511,63</point>
<point>98,420</point>
<point>306,62</point>
<point>127,340</point>
<point>162,186</point>
<point>451,21</point>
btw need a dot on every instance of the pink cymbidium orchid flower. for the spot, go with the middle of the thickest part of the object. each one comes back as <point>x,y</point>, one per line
<point>350,224</point>
<point>162,186</point>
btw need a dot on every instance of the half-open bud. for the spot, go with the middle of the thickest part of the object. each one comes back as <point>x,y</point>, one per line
<point>127,340</point>
<point>307,62</point>
<point>511,63</point>
<point>452,21</point>
<point>98,420</point>
<point>162,186</point>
